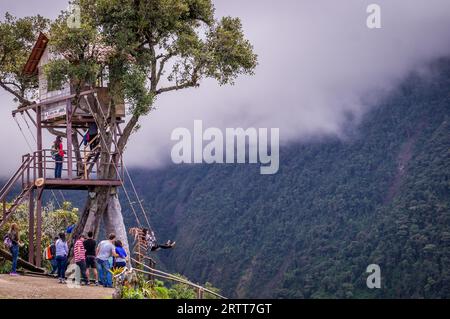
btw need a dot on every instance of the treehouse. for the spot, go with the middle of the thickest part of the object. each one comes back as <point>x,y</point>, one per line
<point>72,116</point>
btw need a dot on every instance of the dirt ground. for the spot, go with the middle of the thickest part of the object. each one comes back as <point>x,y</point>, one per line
<point>30,287</point>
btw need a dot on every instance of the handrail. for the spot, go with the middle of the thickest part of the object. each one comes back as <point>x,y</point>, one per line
<point>5,190</point>
<point>51,101</point>
<point>44,159</point>
<point>162,274</point>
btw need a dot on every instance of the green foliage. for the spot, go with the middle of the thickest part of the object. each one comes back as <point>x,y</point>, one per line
<point>131,293</point>
<point>54,221</point>
<point>161,292</point>
<point>17,37</point>
<point>310,231</point>
<point>145,40</point>
<point>5,266</point>
<point>57,220</point>
<point>182,291</point>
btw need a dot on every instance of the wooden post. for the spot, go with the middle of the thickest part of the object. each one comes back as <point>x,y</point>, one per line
<point>39,227</point>
<point>4,208</point>
<point>39,140</point>
<point>31,228</point>
<point>69,137</point>
<point>199,293</point>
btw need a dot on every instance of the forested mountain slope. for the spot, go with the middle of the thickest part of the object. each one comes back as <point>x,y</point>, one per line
<point>380,196</point>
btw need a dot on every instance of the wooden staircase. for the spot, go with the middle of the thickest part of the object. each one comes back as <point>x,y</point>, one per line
<point>23,174</point>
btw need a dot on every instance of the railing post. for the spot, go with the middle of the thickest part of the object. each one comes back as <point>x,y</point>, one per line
<point>69,137</point>
<point>34,166</point>
<point>39,140</point>
<point>39,227</point>
<point>31,228</point>
<point>4,208</point>
<point>45,163</point>
<point>28,169</point>
<point>199,293</point>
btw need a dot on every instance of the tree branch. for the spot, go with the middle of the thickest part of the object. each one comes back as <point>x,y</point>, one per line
<point>21,99</point>
<point>153,79</point>
<point>177,87</point>
<point>123,140</point>
<point>166,58</point>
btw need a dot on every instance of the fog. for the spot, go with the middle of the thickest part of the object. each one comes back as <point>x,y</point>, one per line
<point>319,68</point>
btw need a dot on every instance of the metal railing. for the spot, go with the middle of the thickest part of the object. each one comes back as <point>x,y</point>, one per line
<point>83,166</point>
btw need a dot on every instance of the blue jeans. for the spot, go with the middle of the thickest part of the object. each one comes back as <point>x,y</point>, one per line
<point>15,255</point>
<point>58,166</point>
<point>54,264</point>
<point>61,262</point>
<point>103,267</point>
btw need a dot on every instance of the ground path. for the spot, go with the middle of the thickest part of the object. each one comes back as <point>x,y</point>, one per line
<point>34,287</point>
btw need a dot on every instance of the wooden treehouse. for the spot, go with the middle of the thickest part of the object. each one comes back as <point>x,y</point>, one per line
<point>56,111</point>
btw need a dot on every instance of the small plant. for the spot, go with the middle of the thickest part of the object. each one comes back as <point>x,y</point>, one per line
<point>131,293</point>
<point>5,266</point>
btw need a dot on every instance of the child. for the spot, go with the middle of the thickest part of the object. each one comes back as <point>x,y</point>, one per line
<point>121,259</point>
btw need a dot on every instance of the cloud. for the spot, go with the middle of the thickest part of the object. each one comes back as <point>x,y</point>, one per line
<point>319,63</point>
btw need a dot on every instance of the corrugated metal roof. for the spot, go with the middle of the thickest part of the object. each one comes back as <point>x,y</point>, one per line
<point>30,67</point>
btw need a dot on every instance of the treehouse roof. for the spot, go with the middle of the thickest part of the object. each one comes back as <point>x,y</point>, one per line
<point>31,67</point>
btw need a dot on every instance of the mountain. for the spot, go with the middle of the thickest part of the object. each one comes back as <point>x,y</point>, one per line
<point>379,196</point>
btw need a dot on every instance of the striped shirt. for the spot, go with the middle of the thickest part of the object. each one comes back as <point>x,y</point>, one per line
<point>79,251</point>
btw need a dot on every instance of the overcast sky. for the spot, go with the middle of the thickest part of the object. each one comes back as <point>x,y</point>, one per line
<point>318,64</point>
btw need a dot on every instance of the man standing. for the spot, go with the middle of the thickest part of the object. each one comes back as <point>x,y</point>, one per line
<point>89,245</point>
<point>80,257</point>
<point>106,250</point>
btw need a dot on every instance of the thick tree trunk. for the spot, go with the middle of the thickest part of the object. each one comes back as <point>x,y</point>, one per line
<point>103,204</point>
<point>113,221</point>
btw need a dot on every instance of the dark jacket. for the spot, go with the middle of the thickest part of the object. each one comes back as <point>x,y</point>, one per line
<point>14,237</point>
<point>53,250</point>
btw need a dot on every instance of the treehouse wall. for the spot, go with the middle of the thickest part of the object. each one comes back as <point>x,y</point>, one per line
<point>53,110</point>
<point>57,111</point>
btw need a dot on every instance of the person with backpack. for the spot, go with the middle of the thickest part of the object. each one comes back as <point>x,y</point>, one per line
<point>80,257</point>
<point>58,155</point>
<point>90,245</point>
<point>50,255</point>
<point>62,251</point>
<point>12,242</point>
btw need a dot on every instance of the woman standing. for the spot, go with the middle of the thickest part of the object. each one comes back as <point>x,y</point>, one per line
<point>14,237</point>
<point>58,155</point>
<point>62,251</point>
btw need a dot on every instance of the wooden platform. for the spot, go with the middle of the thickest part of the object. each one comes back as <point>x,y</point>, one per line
<point>78,184</point>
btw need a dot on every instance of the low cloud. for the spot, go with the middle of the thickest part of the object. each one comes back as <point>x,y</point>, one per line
<point>319,65</point>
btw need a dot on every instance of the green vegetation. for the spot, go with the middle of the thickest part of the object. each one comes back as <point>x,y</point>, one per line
<point>138,286</point>
<point>54,221</point>
<point>380,196</point>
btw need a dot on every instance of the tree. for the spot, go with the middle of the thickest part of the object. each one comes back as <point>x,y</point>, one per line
<point>148,48</point>
<point>17,37</point>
